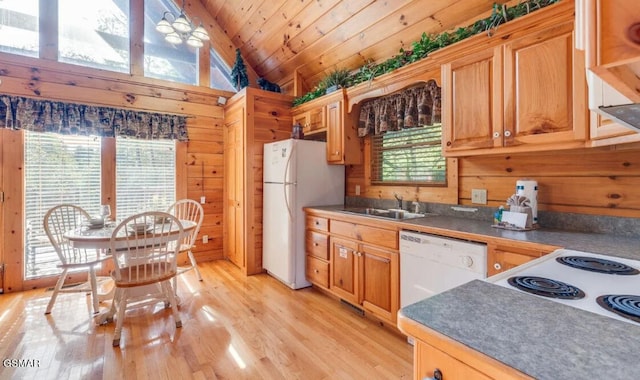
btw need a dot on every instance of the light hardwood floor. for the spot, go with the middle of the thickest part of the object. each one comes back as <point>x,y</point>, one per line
<point>234,327</point>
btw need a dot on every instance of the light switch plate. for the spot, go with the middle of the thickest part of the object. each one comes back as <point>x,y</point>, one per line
<point>357,189</point>
<point>479,196</point>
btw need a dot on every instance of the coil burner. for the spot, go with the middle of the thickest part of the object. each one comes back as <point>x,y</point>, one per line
<point>598,265</point>
<point>546,287</point>
<point>627,306</point>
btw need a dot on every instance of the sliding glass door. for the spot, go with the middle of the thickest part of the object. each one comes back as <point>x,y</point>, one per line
<point>69,169</point>
<point>58,169</point>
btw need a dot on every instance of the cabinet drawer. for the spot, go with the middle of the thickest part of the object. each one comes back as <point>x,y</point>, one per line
<point>317,244</point>
<point>317,223</point>
<point>318,271</point>
<point>375,235</point>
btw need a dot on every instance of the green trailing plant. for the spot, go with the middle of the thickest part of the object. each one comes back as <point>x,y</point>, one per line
<point>427,44</point>
<point>341,78</point>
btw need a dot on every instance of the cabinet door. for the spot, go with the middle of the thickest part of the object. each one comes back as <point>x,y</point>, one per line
<point>543,82</point>
<point>500,259</point>
<point>429,359</point>
<point>380,290</point>
<point>471,102</point>
<point>234,191</point>
<point>335,133</point>
<point>303,120</point>
<point>344,269</point>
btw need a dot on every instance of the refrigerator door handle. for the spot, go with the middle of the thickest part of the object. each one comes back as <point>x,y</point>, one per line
<point>287,182</point>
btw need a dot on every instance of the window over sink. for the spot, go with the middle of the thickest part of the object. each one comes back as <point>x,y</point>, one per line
<point>412,155</point>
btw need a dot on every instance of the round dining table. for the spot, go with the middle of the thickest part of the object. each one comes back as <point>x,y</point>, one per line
<point>99,238</point>
<point>90,237</point>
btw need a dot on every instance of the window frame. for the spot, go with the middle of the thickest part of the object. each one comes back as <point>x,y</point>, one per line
<point>376,166</point>
<point>108,180</point>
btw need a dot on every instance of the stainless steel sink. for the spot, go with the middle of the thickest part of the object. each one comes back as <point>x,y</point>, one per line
<point>384,213</point>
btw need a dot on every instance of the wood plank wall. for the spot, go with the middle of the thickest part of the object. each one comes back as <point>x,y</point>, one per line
<point>595,181</point>
<point>24,76</point>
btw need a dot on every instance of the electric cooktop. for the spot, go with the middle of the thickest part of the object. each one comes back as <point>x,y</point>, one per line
<point>601,284</point>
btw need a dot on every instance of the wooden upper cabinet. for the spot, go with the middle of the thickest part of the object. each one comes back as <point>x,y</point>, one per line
<point>545,89</point>
<point>525,91</point>
<point>335,139</point>
<point>613,28</point>
<point>600,53</point>
<point>326,119</point>
<point>472,111</point>
<point>312,121</point>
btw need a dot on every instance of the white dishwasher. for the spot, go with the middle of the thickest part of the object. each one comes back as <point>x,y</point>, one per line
<point>431,264</point>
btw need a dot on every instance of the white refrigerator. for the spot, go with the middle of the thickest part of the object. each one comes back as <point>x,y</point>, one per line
<point>295,175</point>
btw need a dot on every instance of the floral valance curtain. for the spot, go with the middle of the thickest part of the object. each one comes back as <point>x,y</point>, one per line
<point>78,119</point>
<point>414,107</point>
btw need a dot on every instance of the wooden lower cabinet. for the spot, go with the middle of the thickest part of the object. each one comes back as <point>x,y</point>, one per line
<point>358,263</point>
<point>429,360</point>
<point>367,276</point>
<point>502,257</point>
<point>380,282</point>
<point>317,251</point>
<point>345,269</point>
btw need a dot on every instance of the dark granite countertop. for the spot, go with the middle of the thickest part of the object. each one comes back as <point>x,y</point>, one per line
<point>541,338</point>
<point>614,245</point>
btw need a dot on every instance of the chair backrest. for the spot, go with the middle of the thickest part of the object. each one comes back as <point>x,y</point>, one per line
<point>57,221</point>
<point>188,209</point>
<point>144,248</point>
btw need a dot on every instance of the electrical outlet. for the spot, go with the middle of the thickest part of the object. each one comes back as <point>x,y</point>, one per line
<point>479,196</point>
<point>205,239</point>
<point>203,200</point>
<point>357,189</point>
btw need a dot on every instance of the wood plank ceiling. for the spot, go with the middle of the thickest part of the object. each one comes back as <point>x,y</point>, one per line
<point>314,37</point>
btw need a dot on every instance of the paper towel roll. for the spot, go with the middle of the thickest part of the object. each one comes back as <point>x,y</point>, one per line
<point>529,188</point>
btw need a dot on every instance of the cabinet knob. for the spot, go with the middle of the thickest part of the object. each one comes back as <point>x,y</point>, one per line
<point>316,271</point>
<point>448,143</point>
<point>497,266</point>
<point>507,133</point>
<point>437,375</point>
<point>315,244</point>
<point>337,152</point>
<point>496,135</point>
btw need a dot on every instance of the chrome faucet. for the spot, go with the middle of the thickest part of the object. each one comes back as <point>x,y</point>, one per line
<point>399,199</point>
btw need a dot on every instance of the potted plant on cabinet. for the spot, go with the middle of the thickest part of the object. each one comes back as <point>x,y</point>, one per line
<point>339,78</point>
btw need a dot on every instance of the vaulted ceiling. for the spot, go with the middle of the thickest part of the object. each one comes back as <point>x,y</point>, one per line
<point>279,38</point>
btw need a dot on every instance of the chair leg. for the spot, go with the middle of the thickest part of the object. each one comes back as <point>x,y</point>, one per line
<point>94,289</point>
<point>122,305</point>
<point>56,290</point>
<point>194,264</point>
<point>170,292</point>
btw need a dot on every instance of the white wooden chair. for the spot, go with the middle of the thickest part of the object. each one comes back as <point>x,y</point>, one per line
<point>57,221</point>
<point>188,209</point>
<point>144,248</point>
